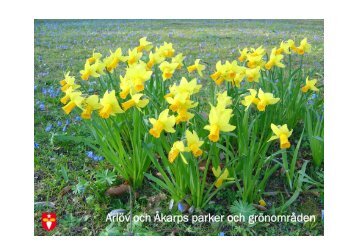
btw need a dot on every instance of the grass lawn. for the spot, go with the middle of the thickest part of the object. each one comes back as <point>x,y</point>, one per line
<point>64,171</point>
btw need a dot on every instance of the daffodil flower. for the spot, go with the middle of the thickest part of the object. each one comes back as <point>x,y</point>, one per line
<point>253,74</point>
<point>255,57</point>
<point>154,58</point>
<point>164,122</point>
<point>113,60</point>
<point>185,87</point>
<point>265,99</point>
<point>144,45</point>
<point>243,54</point>
<point>193,143</point>
<point>274,60</point>
<point>166,50</point>
<point>110,105</point>
<point>303,48</point>
<point>218,76</point>
<point>286,47</point>
<point>75,100</point>
<point>219,121</point>
<point>310,85</point>
<point>282,133</point>
<point>90,104</point>
<point>68,82</point>
<point>167,69</point>
<point>197,66</point>
<point>250,99</point>
<point>89,70</point>
<point>221,177</point>
<point>135,101</point>
<point>95,57</point>
<point>133,56</point>
<point>183,115</point>
<point>179,60</point>
<point>176,149</point>
<point>138,75</point>
<point>223,100</point>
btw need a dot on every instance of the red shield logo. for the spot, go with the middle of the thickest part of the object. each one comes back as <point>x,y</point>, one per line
<point>49,221</point>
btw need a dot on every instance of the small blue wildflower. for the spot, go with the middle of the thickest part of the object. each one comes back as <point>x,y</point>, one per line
<point>41,107</point>
<point>90,154</point>
<point>36,145</point>
<point>59,123</point>
<point>48,128</point>
<point>181,207</point>
<point>77,118</point>
<point>221,234</point>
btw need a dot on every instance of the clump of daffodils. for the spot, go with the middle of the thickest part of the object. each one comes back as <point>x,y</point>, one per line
<point>141,66</point>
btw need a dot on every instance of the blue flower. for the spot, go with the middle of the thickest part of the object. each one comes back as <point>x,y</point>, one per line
<point>48,128</point>
<point>90,154</point>
<point>36,145</point>
<point>41,107</point>
<point>59,123</point>
<point>181,207</point>
<point>221,234</point>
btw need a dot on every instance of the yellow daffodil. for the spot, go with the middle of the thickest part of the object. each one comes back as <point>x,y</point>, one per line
<point>138,75</point>
<point>112,61</point>
<point>144,45</point>
<point>310,85</point>
<point>183,115</point>
<point>223,100</point>
<point>75,100</point>
<point>303,48</point>
<point>262,203</point>
<point>265,99</point>
<point>274,60</point>
<point>167,69</point>
<point>286,47</point>
<point>90,104</point>
<point>243,54</point>
<point>110,105</point>
<point>240,75</point>
<point>219,121</point>
<point>180,100</point>
<point>89,70</point>
<point>190,87</point>
<point>135,101</point>
<point>252,74</point>
<point>218,76</point>
<point>250,99</point>
<point>255,57</point>
<point>177,148</point>
<point>154,58</point>
<point>125,87</point>
<point>95,57</point>
<point>179,60</point>
<point>282,133</point>
<point>68,82</point>
<point>197,66</point>
<point>133,56</point>
<point>164,122</point>
<point>229,72</point>
<point>166,50</point>
<point>193,143</point>
<point>221,177</point>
